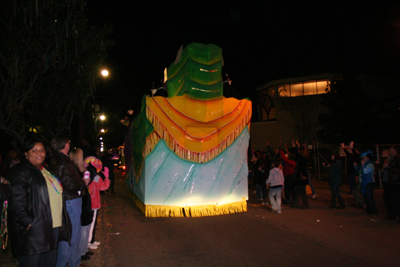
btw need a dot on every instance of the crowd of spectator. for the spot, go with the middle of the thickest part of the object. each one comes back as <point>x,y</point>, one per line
<point>295,174</point>
<point>51,194</point>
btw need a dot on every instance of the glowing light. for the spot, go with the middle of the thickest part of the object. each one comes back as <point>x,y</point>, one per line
<point>33,130</point>
<point>102,117</point>
<point>104,73</point>
<point>101,138</point>
<point>102,130</point>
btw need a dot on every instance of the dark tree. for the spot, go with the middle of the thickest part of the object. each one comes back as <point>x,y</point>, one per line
<point>50,59</point>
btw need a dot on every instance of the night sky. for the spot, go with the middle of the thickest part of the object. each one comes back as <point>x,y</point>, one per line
<point>261,40</point>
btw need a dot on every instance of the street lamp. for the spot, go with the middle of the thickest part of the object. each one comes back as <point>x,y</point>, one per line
<point>104,73</point>
<point>101,117</point>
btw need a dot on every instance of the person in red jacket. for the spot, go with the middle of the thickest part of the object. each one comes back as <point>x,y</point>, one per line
<point>289,167</point>
<point>99,182</point>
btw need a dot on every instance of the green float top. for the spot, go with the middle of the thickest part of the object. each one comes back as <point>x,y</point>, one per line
<point>196,72</point>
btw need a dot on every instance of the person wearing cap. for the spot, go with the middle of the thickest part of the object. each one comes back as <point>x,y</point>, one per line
<point>366,170</point>
<point>98,182</point>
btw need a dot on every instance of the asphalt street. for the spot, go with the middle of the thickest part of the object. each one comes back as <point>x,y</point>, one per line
<point>319,236</point>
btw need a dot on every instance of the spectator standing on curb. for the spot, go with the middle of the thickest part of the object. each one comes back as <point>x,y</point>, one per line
<point>64,168</point>
<point>335,181</point>
<point>97,184</point>
<point>107,162</point>
<point>37,215</point>
<point>76,155</point>
<point>366,173</point>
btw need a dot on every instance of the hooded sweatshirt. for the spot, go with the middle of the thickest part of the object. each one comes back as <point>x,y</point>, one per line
<point>275,177</point>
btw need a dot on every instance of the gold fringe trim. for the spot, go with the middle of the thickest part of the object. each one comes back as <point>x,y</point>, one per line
<point>190,211</point>
<point>195,211</point>
<point>151,142</point>
<point>160,131</point>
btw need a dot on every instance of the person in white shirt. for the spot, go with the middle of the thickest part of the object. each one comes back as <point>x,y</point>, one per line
<point>275,182</point>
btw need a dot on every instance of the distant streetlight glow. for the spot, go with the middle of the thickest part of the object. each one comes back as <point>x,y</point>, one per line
<point>102,117</point>
<point>104,73</point>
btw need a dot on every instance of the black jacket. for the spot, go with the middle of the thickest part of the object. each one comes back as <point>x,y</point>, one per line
<point>301,168</point>
<point>29,204</point>
<point>259,175</point>
<point>68,174</point>
<point>394,170</point>
<point>87,212</point>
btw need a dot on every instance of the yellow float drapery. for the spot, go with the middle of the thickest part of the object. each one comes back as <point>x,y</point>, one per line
<point>196,130</point>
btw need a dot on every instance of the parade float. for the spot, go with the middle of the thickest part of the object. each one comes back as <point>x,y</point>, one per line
<point>189,150</point>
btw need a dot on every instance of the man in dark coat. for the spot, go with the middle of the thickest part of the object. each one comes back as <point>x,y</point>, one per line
<point>301,179</point>
<point>73,186</point>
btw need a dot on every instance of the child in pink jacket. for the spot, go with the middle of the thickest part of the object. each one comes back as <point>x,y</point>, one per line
<point>96,185</point>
